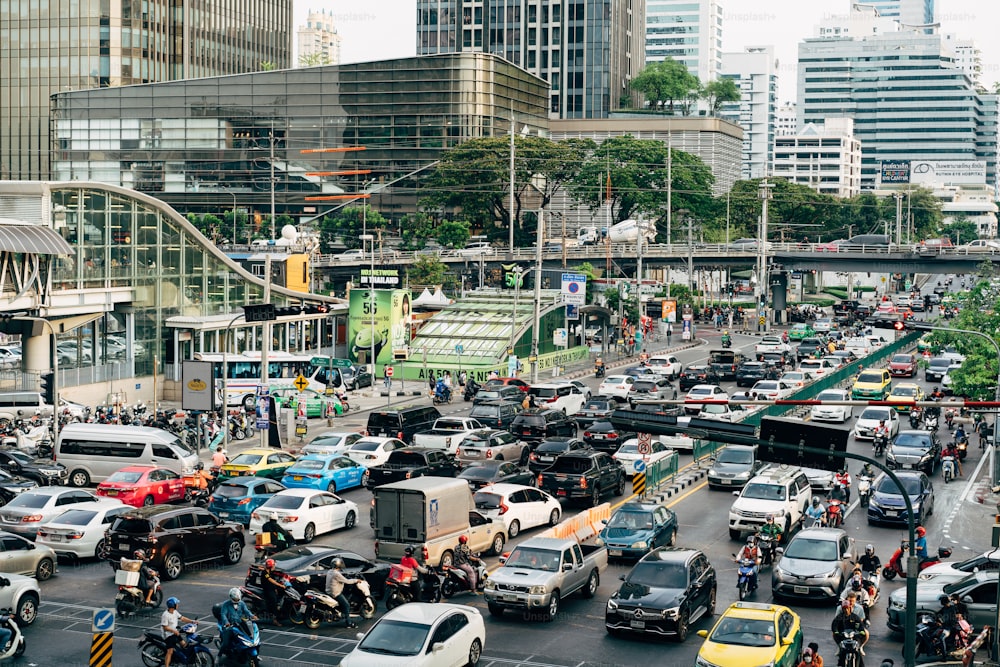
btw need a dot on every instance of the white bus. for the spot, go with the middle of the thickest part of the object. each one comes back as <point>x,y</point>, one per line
<point>243,374</point>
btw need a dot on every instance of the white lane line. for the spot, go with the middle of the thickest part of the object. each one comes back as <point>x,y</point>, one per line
<point>970,484</point>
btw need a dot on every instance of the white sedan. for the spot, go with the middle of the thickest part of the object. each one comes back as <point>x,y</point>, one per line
<point>422,634</point>
<point>79,532</point>
<point>796,379</point>
<point>772,390</point>
<point>628,454</point>
<point>832,413</point>
<point>864,428</point>
<point>373,450</point>
<point>616,385</point>
<point>518,507</point>
<point>726,413</point>
<point>306,513</point>
<point>703,392</point>
<point>771,344</point>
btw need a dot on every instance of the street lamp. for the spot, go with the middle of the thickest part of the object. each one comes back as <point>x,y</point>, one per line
<point>364,212</point>
<point>764,192</point>
<point>371,294</point>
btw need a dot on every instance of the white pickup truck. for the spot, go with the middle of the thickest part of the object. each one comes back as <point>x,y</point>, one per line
<point>771,344</point>
<point>540,572</point>
<point>447,433</point>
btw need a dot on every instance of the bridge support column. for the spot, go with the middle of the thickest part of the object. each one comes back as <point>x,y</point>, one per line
<point>37,352</point>
<point>779,295</point>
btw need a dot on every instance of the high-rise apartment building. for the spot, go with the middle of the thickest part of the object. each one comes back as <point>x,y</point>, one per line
<point>588,51</point>
<point>825,157</point>
<point>786,120</point>
<point>908,99</point>
<point>968,57</point>
<point>319,41</point>
<point>52,46</point>
<point>755,75</point>
<point>689,31</point>
<point>907,12</point>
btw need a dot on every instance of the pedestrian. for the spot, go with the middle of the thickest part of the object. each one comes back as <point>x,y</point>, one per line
<point>670,331</point>
<point>817,660</point>
<point>431,383</point>
<point>983,430</point>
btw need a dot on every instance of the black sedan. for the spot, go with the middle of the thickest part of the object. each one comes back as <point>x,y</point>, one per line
<point>887,504</point>
<point>498,393</point>
<point>11,486</point>
<point>605,436</point>
<point>667,591</point>
<point>596,409</point>
<point>314,561</point>
<point>482,473</point>
<point>355,378</point>
<point>749,372</point>
<point>550,448</point>
<point>914,450</point>
<point>694,375</point>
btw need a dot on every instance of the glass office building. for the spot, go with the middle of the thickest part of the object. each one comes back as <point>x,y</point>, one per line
<point>195,144</point>
<point>47,46</point>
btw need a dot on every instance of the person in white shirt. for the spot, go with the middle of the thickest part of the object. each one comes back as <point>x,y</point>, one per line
<point>169,622</point>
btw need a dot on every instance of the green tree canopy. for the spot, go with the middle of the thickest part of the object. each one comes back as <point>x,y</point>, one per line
<point>415,229</point>
<point>347,225</point>
<point>665,82</point>
<point>453,234</point>
<point>720,91</point>
<point>961,231</point>
<point>427,270</point>
<point>977,377</point>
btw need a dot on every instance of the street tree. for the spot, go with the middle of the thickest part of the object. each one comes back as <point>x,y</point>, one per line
<point>961,231</point>
<point>428,271</point>
<point>415,229</point>
<point>719,92</point>
<point>977,376</point>
<point>453,234</point>
<point>314,59</point>
<point>664,83</point>
<point>347,225</point>
<point>797,208</point>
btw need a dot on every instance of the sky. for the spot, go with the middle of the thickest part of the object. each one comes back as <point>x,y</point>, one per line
<point>384,29</point>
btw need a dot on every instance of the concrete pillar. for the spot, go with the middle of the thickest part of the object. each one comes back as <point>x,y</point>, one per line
<point>779,295</point>
<point>37,355</point>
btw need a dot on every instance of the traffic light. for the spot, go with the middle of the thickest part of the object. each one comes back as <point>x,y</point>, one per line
<point>898,325</point>
<point>48,388</point>
<point>258,312</point>
<point>282,311</point>
<point>315,309</point>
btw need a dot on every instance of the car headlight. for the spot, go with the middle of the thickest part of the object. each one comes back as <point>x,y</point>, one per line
<point>701,662</point>
<point>537,590</point>
<point>890,456</point>
<point>673,612</point>
<point>768,664</point>
<point>639,545</point>
<point>780,512</point>
<point>896,604</point>
<point>612,605</point>
<point>926,457</point>
<point>490,585</point>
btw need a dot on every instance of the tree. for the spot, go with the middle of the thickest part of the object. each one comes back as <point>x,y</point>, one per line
<point>240,225</point>
<point>961,230</point>
<point>453,234</point>
<point>347,226</point>
<point>976,378</point>
<point>474,178</point>
<point>720,91</point>
<point>795,207</point>
<point>427,270</point>
<point>313,59</point>
<point>415,229</point>
<point>665,82</point>
<point>925,208</point>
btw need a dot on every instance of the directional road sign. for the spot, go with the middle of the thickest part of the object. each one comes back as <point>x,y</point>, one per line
<point>103,621</point>
<point>640,466</point>
<point>301,383</point>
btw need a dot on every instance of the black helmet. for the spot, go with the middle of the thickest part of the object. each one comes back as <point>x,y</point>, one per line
<point>815,502</point>
<point>408,551</point>
<point>944,599</point>
<point>856,584</point>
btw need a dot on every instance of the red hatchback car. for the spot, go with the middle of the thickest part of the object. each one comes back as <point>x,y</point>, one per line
<point>140,485</point>
<point>903,365</point>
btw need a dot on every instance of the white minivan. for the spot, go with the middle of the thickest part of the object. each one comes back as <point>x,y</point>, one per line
<point>92,452</point>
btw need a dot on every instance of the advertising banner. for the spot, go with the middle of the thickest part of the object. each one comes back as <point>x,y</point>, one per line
<point>894,171</point>
<point>380,277</point>
<point>948,172</point>
<point>669,312</point>
<point>198,392</point>
<point>378,320</point>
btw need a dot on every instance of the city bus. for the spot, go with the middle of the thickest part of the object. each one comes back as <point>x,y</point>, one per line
<point>243,374</point>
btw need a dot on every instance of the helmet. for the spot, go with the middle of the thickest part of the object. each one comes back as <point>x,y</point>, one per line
<point>269,563</point>
<point>235,594</point>
<point>751,540</point>
<point>338,563</point>
<point>869,549</point>
<point>856,584</point>
<point>815,502</point>
<point>140,554</point>
<point>200,466</point>
<point>463,539</point>
<point>770,518</point>
<point>172,603</point>
<point>273,516</point>
<point>944,599</point>
<point>921,531</point>
<point>408,551</point>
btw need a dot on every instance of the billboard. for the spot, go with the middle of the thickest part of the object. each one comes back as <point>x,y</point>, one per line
<point>894,171</point>
<point>378,320</point>
<point>948,172</point>
<point>379,277</point>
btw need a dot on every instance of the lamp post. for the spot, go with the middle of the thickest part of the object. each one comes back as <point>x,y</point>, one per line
<point>225,381</point>
<point>538,297</point>
<point>764,192</point>
<point>371,295</point>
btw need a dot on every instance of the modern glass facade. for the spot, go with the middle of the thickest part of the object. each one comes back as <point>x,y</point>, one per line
<point>196,143</point>
<point>48,46</point>
<point>689,31</point>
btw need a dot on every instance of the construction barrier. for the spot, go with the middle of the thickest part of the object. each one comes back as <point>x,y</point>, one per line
<point>639,484</point>
<point>581,527</point>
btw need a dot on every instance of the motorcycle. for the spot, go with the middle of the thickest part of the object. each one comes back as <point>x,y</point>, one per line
<point>727,342</point>
<point>599,371</point>
<point>879,442</point>
<point>471,389</point>
<point>864,489</point>
<point>153,648</point>
<point>456,580</point>
<point>931,421</point>
<point>850,650</point>
<point>933,639</point>
<point>834,513</point>
<point>291,601</point>
<point>245,644</point>
<point>949,418</point>
<point>915,418</point>
<point>399,586</point>
<point>132,599</point>
<point>442,395</point>
<point>321,608</point>
<point>16,646</point>
<point>896,567</point>
<point>948,468</point>
<point>768,549</point>
<point>962,445</point>
<point>744,578</point>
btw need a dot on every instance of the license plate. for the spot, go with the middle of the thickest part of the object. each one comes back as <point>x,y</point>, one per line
<point>224,515</point>
<point>561,492</point>
<point>297,478</point>
<point>615,552</point>
<point>891,513</point>
<point>525,432</point>
<point>908,466</point>
<point>55,538</point>
<point>639,625</point>
<point>802,590</point>
<point>112,492</point>
<point>123,546</point>
<point>510,598</point>
<point>545,459</point>
<point>726,481</point>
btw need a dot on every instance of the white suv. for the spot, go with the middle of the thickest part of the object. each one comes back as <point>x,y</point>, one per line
<point>783,492</point>
<point>562,396</point>
<point>667,365</point>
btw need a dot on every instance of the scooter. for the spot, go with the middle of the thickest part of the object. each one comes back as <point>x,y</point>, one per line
<point>456,580</point>
<point>727,342</point>
<point>153,648</point>
<point>744,578</point>
<point>864,489</point>
<point>321,608</point>
<point>834,513</point>
<point>850,650</point>
<point>442,395</point>
<point>948,468</point>
<point>132,599</point>
<point>471,389</point>
<point>935,640</point>
<point>768,549</point>
<point>915,418</point>
<point>879,443</point>
<point>895,567</point>
<point>291,601</point>
<point>399,586</point>
<point>599,371</point>
<point>17,644</point>
<point>931,421</point>
<point>245,645</point>
<point>949,418</point>
<point>962,445</point>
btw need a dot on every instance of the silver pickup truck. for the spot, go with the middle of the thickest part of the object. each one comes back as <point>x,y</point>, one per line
<point>541,571</point>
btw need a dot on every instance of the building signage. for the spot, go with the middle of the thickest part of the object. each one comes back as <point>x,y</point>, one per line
<point>198,391</point>
<point>894,171</point>
<point>380,277</point>
<point>948,172</point>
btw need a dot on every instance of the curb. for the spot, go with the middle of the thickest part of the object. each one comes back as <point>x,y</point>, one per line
<point>679,485</point>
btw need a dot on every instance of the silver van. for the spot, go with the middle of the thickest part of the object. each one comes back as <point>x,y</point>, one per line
<point>92,452</point>
<point>22,405</point>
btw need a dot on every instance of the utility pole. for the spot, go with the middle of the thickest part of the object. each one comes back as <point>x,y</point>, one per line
<point>762,273</point>
<point>691,281</point>
<point>265,343</point>
<point>273,184</point>
<point>898,196</point>
<point>538,298</point>
<point>511,204</point>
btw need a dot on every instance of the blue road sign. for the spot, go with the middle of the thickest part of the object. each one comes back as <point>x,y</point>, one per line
<point>640,466</point>
<point>459,349</point>
<point>104,620</point>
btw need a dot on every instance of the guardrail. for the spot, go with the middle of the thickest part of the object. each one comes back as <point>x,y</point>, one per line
<point>705,449</point>
<point>660,472</point>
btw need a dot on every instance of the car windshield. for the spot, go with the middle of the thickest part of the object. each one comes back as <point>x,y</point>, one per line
<point>901,359</point>
<point>753,366</point>
<point>247,460</point>
<point>874,378</point>
<point>534,559</point>
<point>830,396</point>
<point>29,501</point>
<point>230,491</point>
<point>645,385</point>
<point>478,472</point>
<point>758,491</point>
<point>658,575</point>
<point>487,501</point>
<point>730,455</point>
<point>21,457</point>
<point>715,409</point>
<point>572,465</point>
<point>944,363</point>
<point>596,405</point>
<point>326,441</point>
<point>700,391</point>
<point>631,519</point>
<point>629,448</point>
<point>888,487</point>
<point>132,525</point>
<point>552,446</point>
<point>282,503</point>
<point>487,394</point>
<point>875,414</point>
<point>744,632</point>
<point>75,517</point>
<point>125,476</point>
<point>904,391</point>
<point>812,549</point>
<point>395,638</point>
<point>308,464</point>
<point>542,392</point>
<point>768,386</point>
<point>912,440</point>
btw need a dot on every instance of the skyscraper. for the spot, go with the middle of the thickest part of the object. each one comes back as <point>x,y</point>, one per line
<point>588,51</point>
<point>755,75</point>
<point>51,46</point>
<point>689,31</point>
<point>908,12</point>
<point>319,41</point>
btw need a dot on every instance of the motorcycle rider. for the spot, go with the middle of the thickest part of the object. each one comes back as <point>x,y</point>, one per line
<point>335,581</point>
<point>726,338</point>
<point>774,531</point>
<point>881,431</point>
<point>817,511</point>
<point>464,560</point>
<point>870,563</point>
<point>920,548</point>
<point>280,537</point>
<point>937,395</point>
<point>146,575</point>
<point>960,434</point>
<point>409,561</point>
<point>849,617</point>
<point>441,390</point>
<point>863,597</point>
<point>169,620</point>
<point>599,367</point>
<point>272,586</point>
<point>219,458</point>
<point>844,479</point>
<point>948,617</point>
<point>233,611</point>
<point>951,449</point>
<point>751,552</point>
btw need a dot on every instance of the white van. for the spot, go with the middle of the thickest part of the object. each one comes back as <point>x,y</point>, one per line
<point>16,405</point>
<point>92,452</point>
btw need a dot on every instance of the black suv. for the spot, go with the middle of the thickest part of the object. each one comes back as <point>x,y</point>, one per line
<point>496,414</point>
<point>174,537</point>
<point>548,450</point>
<point>583,475</point>
<point>605,437</point>
<point>749,372</point>
<point>536,424</point>
<point>43,471</point>
<point>666,592</point>
<point>693,375</point>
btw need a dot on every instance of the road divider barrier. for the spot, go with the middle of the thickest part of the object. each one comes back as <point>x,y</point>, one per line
<point>583,526</point>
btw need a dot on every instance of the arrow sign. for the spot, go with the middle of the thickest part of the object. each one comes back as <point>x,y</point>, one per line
<point>103,621</point>
<point>640,466</point>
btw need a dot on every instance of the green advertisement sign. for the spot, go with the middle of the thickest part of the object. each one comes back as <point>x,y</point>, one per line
<point>378,321</point>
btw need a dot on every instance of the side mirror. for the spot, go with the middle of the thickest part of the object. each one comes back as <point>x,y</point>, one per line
<point>703,634</point>
<point>604,521</point>
<point>846,556</point>
<point>437,647</point>
<point>621,577</point>
<point>566,567</point>
<point>736,493</point>
<point>503,559</point>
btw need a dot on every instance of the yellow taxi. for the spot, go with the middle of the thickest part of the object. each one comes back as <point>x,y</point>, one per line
<point>752,633</point>
<point>904,393</point>
<point>259,462</point>
<point>872,384</point>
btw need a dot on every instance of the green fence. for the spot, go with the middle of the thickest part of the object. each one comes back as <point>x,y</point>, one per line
<point>661,471</point>
<point>835,379</point>
<point>705,449</point>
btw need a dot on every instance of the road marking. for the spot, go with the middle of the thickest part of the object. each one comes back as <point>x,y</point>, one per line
<point>970,484</point>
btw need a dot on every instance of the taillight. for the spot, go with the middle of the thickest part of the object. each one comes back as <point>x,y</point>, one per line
<point>503,508</point>
<point>539,480</point>
<point>458,452</point>
<point>399,436</point>
<point>552,400</point>
<point>489,453</point>
<point>632,388</point>
<point>376,548</point>
<point>245,501</point>
<point>583,482</point>
<point>426,554</point>
<point>533,456</point>
<point>612,435</point>
<point>586,434</point>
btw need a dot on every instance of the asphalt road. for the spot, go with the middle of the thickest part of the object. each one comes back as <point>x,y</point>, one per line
<point>61,636</point>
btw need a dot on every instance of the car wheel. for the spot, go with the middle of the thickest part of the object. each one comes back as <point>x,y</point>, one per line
<point>332,487</point>
<point>44,569</point>
<point>682,627</point>
<point>234,551</point>
<point>620,489</point>
<point>365,478</point>
<point>497,546</point>
<point>173,565</point>
<point>595,496</point>
<point>148,501</point>
<point>309,534</point>
<point>79,478</point>
<point>672,539</point>
<point>590,590</point>
<point>495,609</point>
<point>447,559</point>
<point>523,460</point>
<point>101,550</point>
<point>249,402</point>
<point>475,653</point>
<point>350,520</point>
<point>553,517</point>
<point>27,609</point>
<point>514,529</point>
<point>710,609</point>
<point>553,609</point>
